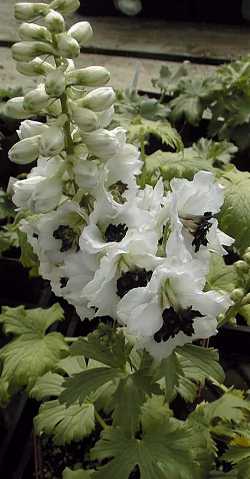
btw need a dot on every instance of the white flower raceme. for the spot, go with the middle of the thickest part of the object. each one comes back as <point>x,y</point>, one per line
<point>171,310</point>
<point>37,193</point>
<point>29,128</point>
<point>193,205</point>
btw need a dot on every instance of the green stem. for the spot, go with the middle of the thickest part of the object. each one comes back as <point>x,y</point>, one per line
<point>100,420</point>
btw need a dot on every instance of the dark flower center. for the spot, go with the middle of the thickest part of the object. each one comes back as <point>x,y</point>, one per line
<point>200,235</point>
<point>63,282</point>
<point>115,232</point>
<point>67,236</point>
<point>132,279</point>
<point>174,322</point>
<point>198,226</point>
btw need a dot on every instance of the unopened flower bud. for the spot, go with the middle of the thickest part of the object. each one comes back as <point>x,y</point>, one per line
<point>237,295</point>
<point>129,7</point>
<point>25,151</point>
<point>31,31</point>
<point>85,119</point>
<point>82,32</point>
<point>89,76</point>
<point>52,141</point>
<point>66,46</point>
<point>37,193</point>
<point>30,128</point>
<point>36,100</point>
<point>26,11</point>
<point>246,257</point>
<point>55,83</point>
<point>246,299</point>
<point>99,99</point>
<point>104,143</point>
<point>25,51</point>
<point>241,266</point>
<point>54,21</point>
<point>65,6</point>
<point>15,109</point>
<point>34,67</point>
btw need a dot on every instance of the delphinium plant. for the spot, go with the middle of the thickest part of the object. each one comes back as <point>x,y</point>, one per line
<point>137,257</point>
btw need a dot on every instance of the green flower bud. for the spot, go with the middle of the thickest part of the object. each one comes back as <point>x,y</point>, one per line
<point>85,119</point>
<point>29,11</point>
<point>89,76</point>
<point>246,300</point>
<point>82,32</point>
<point>241,266</point>
<point>55,83</point>
<point>15,109</point>
<point>65,6</point>
<point>25,51</point>
<point>54,21</point>
<point>66,46</point>
<point>237,294</point>
<point>35,67</point>
<point>31,31</point>
<point>25,151</point>
<point>36,100</point>
<point>99,99</point>
<point>246,257</point>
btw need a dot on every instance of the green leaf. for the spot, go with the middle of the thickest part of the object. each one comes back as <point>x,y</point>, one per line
<point>4,392</point>
<point>30,356</point>
<point>28,258</point>
<point>172,372</point>
<point>105,345</point>
<point>77,474</point>
<point>8,238</point>
<point>71,365</point>
<point>200,363</point>
<point>50,384</point>
<point>141,129</point>
<point>245,312</point>
<point>236,454</point>
<point>65,424</point>
<point>7,208</point>
<point>81,385</point>
<point>235,213</point>
<point>155,409</point>
<point>162,452</point>
<point>20,321</point>
<point>218,153</point>
<point>169,78</point>
<point>187,107</point>
<point>177,165</point>
<point>128,399</point>
<point>221,277</point>
<point>229,407</point>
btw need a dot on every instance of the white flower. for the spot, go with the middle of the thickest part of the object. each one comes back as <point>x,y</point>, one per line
<point>37,193</point>
<point>193,205</point>
<point>52,141</point>
<point>134,259</point>
<point>30,128</point>
<point>171,310</point>
<point>99,99</point>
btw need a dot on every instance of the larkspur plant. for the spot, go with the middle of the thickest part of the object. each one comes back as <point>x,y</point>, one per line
<point>117,248</point>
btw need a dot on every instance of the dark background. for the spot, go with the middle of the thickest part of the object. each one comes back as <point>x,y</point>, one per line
<point>216,11</point>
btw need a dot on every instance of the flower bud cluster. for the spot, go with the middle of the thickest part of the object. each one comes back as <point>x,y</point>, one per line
<point>109,247</point>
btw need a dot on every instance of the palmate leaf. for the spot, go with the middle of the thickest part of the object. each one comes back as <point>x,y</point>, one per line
<point>163,451</point>
<point>168,80</point>
<point>239,456</point>
<point>141,128</point>
<point>50,384</point>
<point>33,352</point>
<point>231,407</point>
<point>79,386</point>
<point>221,277</point>
<point>219,153</point>
<point>235,213</point>
<point>187,368</point>
<point>65,424</point>
<point>76,474</point>
<point>105,345</point>
<point>177,165</point>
